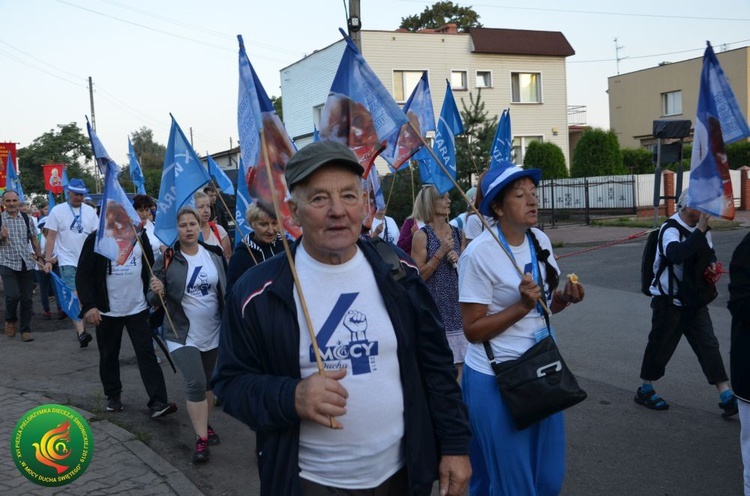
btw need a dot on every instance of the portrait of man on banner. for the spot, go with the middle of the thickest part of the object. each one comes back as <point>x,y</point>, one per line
<point>53,174</point>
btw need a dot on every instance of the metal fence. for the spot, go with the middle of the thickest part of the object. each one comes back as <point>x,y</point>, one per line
<point>580,200</point>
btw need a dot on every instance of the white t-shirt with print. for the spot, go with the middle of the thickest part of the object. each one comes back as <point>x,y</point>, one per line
<point>487,276</point>
<point>390,230</point>
<point>125,286</point>
<point>72,225</point>
<point>474,226</point>
<point>353,331</point>
<point>201,302</point>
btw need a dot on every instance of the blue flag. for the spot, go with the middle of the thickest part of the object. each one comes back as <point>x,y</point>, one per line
<point>419,112</point>
<point>65,297</point>
<point>243,201</point>
<point>719,121</point>
<point>183,173</point>
<point>136,173</point>
<point>12,182</point>
<point>50,201</point>
<point>503,142</point>
<point>224,183</point>
<point>65,183</point>
<point>359,111</point>
<point>444,145</point>
<point>115,237</point>
<point>316,135</point>
<point>255,117</point>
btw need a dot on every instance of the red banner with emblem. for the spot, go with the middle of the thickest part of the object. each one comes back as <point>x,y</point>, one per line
<point>53,174</point>
<point>5,149</point>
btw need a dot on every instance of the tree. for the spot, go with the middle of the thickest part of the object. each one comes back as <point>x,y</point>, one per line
<point>405,184</point>
<point>597,154</point>
<point>442,13</point>
<point>548,157</point>
<point>66,145</point>
<point>276,100</point>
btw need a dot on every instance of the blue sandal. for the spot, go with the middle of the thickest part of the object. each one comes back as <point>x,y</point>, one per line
<point>650,399</point>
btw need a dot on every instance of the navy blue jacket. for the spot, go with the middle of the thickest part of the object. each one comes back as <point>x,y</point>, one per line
<point>739,306</point>
<point>258,371</point>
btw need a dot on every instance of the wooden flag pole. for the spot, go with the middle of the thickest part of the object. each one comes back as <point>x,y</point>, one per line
<point>290,260</point>
<point>481,217</point>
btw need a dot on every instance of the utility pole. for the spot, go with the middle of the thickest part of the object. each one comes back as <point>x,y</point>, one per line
<point>191,136</point>
<point>355,24</point>
<point>93,125</point>
<point>617,55</point>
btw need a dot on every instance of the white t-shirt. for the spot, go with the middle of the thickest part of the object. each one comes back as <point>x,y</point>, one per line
<point>353,331</point>
<point>486,276</point>
<point>125,286</point>
<point>72,225</point>
<point>390,228</point>
<point>201,302</point>
<point>474,227</point>
<point>671,235</point>
<point>211,240</point>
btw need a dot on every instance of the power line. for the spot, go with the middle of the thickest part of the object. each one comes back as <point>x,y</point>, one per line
<point>21,61</point>
<point>655,54</point>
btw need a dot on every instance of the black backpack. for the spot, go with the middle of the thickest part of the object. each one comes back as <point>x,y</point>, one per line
<point>693,290</point>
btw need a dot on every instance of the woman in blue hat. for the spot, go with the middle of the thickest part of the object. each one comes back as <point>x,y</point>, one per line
<point>499,306</point>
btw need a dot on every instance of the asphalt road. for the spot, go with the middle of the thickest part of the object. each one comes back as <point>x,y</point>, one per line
<point>615,446</point>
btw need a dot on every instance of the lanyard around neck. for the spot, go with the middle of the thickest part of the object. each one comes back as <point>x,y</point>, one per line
<point>535,273</point>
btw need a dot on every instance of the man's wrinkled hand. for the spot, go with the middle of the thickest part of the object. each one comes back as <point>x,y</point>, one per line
<point>321,398</point>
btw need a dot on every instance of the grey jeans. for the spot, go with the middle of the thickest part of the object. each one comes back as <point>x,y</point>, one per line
<point>19,287</point>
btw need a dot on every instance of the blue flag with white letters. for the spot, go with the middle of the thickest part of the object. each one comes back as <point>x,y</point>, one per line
<point>50,201</point>
<point>719,121</point>
<point>115,237</point>
<point>257,117</point>
<point>136,174</point>
<point>182,175</point>
<point>66,298</point>
<point>12,182</point>
<point>359,112</point>
<point>449,125</point>
<point>503,142</point>
<point>243,201</point>
<point>224,183</point>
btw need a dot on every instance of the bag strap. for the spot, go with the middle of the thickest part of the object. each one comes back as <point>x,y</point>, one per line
<point>389,256</point>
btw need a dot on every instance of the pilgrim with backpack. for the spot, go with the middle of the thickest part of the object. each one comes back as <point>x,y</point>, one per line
<point>683,279</point>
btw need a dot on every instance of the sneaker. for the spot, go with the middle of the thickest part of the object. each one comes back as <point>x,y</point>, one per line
<point>10,329</point>
<point>201,453</point>
<point>26,336</point>
<point>114,404</point>
<point>650,399</point>
<point>730,407</point>
<point>213,438</point>
<point>46,316</point>
<point>160,409</point>
<point>84,338</point>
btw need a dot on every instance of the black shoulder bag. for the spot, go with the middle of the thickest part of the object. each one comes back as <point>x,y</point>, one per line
<point>538,383</point>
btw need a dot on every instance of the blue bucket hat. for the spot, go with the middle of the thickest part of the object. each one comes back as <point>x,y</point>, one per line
<point>77,186</point>
<point>499,177</point>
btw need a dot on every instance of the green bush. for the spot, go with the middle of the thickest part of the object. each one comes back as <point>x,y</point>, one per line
<point>738,154</point>
<point>548,157</point>
<point>597,154</point>
<point>638,161</point>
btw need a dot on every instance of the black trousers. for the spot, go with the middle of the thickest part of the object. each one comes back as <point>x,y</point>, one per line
<point>668,324</point>
<point>19,287</point>
<point>395,485</point>
<point>109,339</point>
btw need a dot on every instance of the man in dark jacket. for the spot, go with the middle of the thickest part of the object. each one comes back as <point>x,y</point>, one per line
<point>113,296</point>
<point>739,365</point>
<point>386,416</point>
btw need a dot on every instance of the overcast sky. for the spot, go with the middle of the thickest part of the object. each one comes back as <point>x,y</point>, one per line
<point>150,58</point>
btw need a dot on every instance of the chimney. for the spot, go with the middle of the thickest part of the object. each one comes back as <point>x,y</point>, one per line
<point>450,28</point>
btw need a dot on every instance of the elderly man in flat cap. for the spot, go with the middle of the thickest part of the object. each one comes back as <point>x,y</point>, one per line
<point>387,417</point>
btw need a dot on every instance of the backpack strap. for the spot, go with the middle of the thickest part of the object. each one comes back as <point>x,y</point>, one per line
<point>389,256</point>
<point>215,230</point>
<point>664,263</point>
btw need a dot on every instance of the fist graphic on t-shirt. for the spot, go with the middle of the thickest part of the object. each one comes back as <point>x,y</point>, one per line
<point>356,322</point>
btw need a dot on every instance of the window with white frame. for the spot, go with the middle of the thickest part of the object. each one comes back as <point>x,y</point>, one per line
<point>317,113</point>
<point>458,80</point>
<point>404,83</point>
<point>520,144</point>
<point>671,103</point>
<point>484,79</point>
<point>526,87</point>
